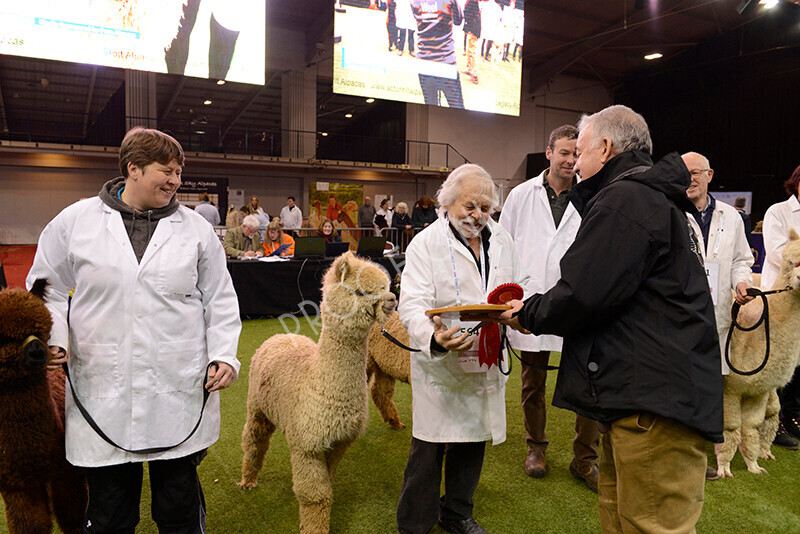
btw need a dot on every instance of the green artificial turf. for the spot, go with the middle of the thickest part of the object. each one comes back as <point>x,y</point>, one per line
<point>368,481</point>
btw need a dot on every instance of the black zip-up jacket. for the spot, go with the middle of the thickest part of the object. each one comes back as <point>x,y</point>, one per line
<point>633,303</point>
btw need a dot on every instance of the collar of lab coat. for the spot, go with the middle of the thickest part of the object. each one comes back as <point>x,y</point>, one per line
<point>163,232</point>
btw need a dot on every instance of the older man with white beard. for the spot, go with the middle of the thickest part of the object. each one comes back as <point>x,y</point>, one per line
<point>459,403</point>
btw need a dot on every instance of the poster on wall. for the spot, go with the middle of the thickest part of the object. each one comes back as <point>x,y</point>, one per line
<point>464,54</point>
<point>218,39</point>
<point>216,188</point>
<point>337,202</point>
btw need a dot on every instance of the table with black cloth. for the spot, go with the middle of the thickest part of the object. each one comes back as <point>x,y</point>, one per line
<point>271,289</point>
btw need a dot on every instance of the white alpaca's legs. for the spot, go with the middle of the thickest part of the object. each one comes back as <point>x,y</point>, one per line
<point>769,427</point>
<point>731,435</point>
<point>255,441</point>
<point>334,456</point>
<point>311,484</point>
<point>752,417</point>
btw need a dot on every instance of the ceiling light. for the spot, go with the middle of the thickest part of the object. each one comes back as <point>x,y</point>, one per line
<point>370,100</point>
<point>768,4</point>
<point>207,102</point>
<point>348,115</point>
<point>201,132</point>
<point>220,82</point>
<point>654,55</point>
<point>324,134</point>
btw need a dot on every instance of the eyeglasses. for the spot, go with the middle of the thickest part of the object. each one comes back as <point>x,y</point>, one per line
<point>698,172</point>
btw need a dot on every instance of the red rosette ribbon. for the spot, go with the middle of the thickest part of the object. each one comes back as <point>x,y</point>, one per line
<point>489,340</point>
<point>505,293</point>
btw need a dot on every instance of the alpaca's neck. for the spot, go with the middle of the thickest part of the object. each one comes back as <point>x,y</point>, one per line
<point>342,360</point>
<point>26,403</point>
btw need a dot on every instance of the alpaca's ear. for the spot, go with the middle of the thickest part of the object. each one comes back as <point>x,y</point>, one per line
<point>793,236</point>
<point>38,287</point>
<point>343,266</point>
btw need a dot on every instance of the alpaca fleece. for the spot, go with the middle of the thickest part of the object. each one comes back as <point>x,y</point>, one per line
<point>35,477</point>
<point>316,393</point>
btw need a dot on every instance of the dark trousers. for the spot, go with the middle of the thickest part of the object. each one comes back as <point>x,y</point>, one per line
<point>585,445</point>
<point>432,85</point>
<point>420,505</point>
<point>401,41</point>
<point>790,397</point>
<point>391,31</point>
<point>178,505</point>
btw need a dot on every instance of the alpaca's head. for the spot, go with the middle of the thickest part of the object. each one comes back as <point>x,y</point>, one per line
<point>790,268</point>
<point>25,325</point>
<point>355,294</point>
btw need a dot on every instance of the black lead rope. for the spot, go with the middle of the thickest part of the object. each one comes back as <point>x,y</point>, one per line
<point>89,419</point>
<point>752,292</point>
<point>397,342</point>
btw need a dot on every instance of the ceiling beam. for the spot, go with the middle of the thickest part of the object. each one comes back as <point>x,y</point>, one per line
<point>561,61</point>
<point>239,112</point>
<point>172,99</point>
<point>89,97</point>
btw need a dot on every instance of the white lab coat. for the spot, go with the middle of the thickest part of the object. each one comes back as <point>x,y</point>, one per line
<point>777,221</point>
<point>449,404</point>
<point>291,219</point>
<point>141,334</point>
<point>404,16</point>
<point>528,218</point>
<point>728,248</point>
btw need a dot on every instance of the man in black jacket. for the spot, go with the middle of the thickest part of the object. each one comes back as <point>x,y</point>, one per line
<point>641,354</point>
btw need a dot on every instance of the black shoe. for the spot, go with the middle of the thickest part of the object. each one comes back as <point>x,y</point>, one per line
<point>783,439</point>
<point>791,425</point>
<point>711,473</point>
<point>464,526</point>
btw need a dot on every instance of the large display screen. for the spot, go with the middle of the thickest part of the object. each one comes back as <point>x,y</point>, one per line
<point>464,54</point>
<point>220,39</point>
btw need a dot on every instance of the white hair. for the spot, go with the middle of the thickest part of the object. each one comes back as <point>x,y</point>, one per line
<point>698,155</point>
<point>251,221</point>
<point>627,129</point>
<point>401,205</point>
<point>451,188</point>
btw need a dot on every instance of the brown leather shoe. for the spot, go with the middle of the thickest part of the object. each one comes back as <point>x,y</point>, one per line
<point>535,464</point>
<point>588,474</point>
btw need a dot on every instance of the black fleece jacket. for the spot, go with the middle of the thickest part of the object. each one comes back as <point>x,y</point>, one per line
<point>633,303</point>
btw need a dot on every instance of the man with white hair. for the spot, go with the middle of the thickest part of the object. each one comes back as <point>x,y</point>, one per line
<point>243,240</point>
<point>641,353</point>
<point>459,402</point>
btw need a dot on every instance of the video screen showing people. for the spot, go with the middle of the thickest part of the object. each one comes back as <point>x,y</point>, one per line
<point>464,54</point>
<point>218,39</point>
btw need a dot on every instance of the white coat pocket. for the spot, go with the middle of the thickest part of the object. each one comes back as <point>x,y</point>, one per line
<point>177,272</point>
<point>95,370</point>
<point>179,366</point>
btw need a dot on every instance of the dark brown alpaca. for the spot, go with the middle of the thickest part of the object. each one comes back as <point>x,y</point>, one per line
<point>35,476</point>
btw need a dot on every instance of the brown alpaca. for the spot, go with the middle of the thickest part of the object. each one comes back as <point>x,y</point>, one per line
<point>751,405</point>
<point>387,363</point>
<point>316,393</point>
<point>35,476</point>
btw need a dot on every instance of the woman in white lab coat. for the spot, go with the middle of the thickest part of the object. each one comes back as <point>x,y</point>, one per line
<point>153,305</point>
<point>777,221</point>
<point>458,405</point>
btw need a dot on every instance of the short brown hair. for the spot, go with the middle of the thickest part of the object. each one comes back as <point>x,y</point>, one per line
<point>143,146</point>
<point>566,131</point>
<point>791,184</point>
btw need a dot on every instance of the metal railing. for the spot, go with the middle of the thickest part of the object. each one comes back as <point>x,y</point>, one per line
<point>38,125</point>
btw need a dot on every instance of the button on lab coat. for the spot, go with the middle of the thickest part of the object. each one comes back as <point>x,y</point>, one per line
<point>141,334</point>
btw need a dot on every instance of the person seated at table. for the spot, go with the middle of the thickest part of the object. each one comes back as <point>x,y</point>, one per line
<point>276,239</point>
<point>327,230</point>
<point>243,240</point>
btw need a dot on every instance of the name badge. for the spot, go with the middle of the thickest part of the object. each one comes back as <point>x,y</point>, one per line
<point>712,273</point>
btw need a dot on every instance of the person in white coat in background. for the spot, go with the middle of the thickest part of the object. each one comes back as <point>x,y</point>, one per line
<point>459,404</point>
<point>726,254</point>
<point>543,222</point>
<point>777,221</point>
<point>154,321</point>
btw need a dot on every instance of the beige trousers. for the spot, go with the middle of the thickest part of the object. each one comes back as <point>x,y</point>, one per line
<point>652,476</point>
